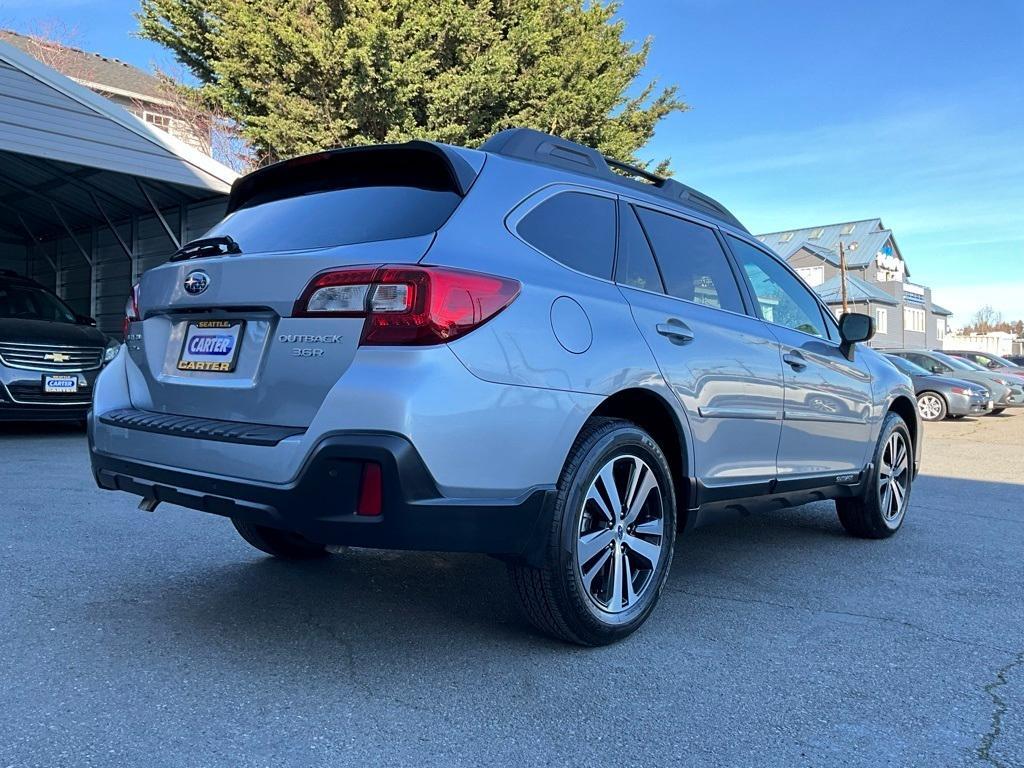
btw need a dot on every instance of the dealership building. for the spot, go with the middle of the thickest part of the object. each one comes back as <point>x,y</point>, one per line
<point>92,195</point>
<point>877,279</point>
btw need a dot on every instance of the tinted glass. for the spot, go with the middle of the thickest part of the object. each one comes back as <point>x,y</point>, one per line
<point>338,217</point>
<point>635,267</point>
<point>992,360</point>
<point>909,368</point>
<point>28,303</point>
<point>576,229</point>
<point>927,363</point>
<point>957,363</point>
<point>781,296</point>
<point>692,262</point>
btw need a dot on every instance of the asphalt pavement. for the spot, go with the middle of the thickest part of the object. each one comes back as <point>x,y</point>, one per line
<point>161,639</point>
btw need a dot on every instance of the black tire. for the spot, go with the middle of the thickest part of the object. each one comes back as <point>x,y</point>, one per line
<point>553,596</point>
<point>996,411</point>
<point>284,544</point>
<point>931,406</point>
<point>866,516</point>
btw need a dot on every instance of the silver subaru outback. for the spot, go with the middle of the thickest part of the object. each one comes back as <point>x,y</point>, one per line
<point>526,350</point>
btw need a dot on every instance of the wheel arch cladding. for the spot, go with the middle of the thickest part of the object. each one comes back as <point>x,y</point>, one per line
<point>908,412</point>
<point>652,413</point>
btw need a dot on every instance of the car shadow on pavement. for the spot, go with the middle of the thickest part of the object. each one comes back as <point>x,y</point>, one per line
<point>354,602</point>
<point>374,612</point>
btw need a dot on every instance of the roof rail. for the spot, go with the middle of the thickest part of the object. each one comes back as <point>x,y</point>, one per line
<point>539,147</point>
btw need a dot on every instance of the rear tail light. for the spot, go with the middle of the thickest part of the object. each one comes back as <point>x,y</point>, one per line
<point>408,305</point>
<point>131,310</point>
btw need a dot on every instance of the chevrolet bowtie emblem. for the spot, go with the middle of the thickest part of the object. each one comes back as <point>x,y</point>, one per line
<point>56,357</point>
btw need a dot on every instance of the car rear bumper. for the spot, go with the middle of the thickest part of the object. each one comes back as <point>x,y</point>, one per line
<point>321,502</point>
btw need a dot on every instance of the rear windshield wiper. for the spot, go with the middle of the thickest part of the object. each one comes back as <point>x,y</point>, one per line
<point>206,246</point>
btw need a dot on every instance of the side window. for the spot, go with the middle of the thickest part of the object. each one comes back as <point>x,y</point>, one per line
<point>635,267</point>
<point>929,364</point>
<point>781,297</point>
<point>576,229</point>
<point>692,262</point>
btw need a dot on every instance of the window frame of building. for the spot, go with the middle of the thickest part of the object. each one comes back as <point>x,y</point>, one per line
<point>158,120</point>
<point>915,320</point>
<point>785,237</point>
<point>881,320</point>
<point>816,233</point>
<point>940,328</point>
<point>847,229</point>
<point>817,271</point>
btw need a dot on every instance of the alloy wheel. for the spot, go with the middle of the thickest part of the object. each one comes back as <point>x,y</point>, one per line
<point>894,478</point>
<point>621,534</point>
<point>929,407</point>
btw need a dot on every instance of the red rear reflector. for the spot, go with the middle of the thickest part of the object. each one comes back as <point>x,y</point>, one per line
<point>370,491</point>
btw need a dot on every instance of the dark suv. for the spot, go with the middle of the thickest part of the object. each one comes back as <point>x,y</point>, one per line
<point>49,356</point>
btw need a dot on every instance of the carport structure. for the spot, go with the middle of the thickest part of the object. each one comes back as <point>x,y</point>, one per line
<point>90,196</point>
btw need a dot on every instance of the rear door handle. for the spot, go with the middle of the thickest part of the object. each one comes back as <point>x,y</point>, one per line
<point>675,331</point>
<point>795,360</point>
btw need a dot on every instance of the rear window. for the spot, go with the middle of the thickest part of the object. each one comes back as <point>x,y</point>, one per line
<point>328,200</point>
<point>576,229</point>
<point>340,217</point>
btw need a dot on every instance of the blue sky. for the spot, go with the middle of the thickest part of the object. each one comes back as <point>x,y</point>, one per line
<point>808,113</point>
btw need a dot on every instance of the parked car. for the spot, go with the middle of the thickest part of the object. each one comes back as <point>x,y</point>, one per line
<point>1016,385</point>
<point>515,351</point>
<point>991,362</point>
<point>49,356</point>
<point>1017,360</point>
<point>1004,392</point>
<point>939,397</point>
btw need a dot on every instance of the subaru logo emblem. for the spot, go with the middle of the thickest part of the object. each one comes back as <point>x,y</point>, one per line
<point>197,282</point>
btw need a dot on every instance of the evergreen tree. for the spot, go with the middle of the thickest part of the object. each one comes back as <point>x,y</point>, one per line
<point>303,75</point>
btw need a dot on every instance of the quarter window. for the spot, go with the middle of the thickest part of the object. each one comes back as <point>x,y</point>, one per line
<point>781,297</point>
<point>692,263</point>
<point>575,229</point>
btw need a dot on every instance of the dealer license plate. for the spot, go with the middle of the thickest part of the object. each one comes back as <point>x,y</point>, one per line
<point>211,345</point>
<point>58,385</point>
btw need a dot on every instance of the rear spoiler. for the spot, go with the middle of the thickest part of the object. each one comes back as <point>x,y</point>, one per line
<point>415,163</point>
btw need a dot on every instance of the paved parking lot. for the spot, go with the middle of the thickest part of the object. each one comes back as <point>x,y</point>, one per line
<point>161,639</point>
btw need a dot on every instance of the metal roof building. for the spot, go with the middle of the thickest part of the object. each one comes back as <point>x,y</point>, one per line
<point>862,241</point>
<point>90,195</point>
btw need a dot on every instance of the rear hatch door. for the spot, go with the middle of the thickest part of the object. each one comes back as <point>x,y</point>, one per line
<point>217,337</point>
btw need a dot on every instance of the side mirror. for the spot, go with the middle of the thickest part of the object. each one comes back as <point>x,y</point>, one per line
<point>853,329</point>
<point>937,369</point>
<point>85,320</point>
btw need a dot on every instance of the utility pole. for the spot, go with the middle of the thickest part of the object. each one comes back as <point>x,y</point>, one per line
<point>842,275</point>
